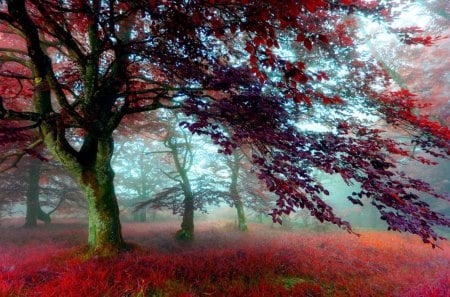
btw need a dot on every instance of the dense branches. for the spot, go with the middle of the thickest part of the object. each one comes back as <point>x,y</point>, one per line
<point>258,70</point>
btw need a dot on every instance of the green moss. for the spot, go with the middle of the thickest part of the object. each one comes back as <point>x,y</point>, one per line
<point>184,235</point>
<point>149,293</point>
<point>290,281</point>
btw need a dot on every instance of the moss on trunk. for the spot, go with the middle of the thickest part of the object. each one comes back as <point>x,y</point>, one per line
<point>104,233</point>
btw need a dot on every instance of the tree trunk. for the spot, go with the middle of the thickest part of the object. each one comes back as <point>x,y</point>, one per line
<point>34,211</point>
<point>95,176</point>
<point>140,215</point>
<point>105,235</point>
<point>242,224</point>
<point>187,225</point>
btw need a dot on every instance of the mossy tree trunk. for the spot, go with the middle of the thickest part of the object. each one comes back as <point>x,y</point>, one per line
<point>140,215</point>
<point>89,108</point>
<point>234,193</point>
<point>93,172</point>
<point>96,178</point>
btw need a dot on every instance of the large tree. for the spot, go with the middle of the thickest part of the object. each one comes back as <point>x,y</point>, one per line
<point>258,68</point>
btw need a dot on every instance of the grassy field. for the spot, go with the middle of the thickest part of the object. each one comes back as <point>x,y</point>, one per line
<point>222,262</point>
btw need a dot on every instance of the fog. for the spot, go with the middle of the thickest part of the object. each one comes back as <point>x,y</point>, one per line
<point>145,170</point>
<point>224,148</point>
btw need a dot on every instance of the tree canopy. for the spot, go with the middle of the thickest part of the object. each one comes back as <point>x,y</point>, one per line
<point>248,73</point>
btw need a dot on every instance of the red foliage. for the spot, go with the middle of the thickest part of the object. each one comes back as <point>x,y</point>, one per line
<point>264,262</point>
<point>86,65</point>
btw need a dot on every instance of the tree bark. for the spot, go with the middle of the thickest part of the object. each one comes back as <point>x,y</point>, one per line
<point>93,114</point>
<point>93,172</point>
<point>140,215</point>
<point>104,231</point>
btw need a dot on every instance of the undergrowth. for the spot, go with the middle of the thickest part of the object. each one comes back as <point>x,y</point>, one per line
<point>220,262</point>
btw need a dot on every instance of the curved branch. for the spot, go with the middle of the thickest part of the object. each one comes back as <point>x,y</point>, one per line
<point>12,115</point>
<point>18,156</point>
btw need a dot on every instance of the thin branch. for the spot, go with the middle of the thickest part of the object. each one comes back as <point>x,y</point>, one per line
<point>8,114</point>
<point>18,156</point>
<point>174,178</point>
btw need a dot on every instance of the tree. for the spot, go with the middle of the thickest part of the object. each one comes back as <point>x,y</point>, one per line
<point>137,174</point>
<point>182,198</point>
<point>79,67</point>
<point>42,186</point>
<point>183,157</point>
<point>235,165</point>
<point>34,210</point>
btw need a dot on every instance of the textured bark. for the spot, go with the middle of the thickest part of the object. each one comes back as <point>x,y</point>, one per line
<point>95,176</point>
<point>105,235</point>
<point>242,223</point>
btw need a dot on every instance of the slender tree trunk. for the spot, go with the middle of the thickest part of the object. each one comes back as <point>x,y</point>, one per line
<point>34,211</point>
<point>33,194</point>
<point>242,222</point>
<point>237,200</point>
<point>187,225</point>
<point>140,215</point>
<point>260,217</point>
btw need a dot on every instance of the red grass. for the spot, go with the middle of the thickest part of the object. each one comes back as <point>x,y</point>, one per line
<point>221,262</point>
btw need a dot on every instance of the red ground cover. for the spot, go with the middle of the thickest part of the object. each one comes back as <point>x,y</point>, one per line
<point>222,262</point>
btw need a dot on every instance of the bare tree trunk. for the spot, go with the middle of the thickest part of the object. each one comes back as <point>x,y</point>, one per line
<point>34,211</point>
<point>237,200</point>
<point>187,225</point>
<point>182,165</point>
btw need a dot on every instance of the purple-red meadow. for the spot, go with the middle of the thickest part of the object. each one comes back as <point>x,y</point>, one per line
<point>222,262</point>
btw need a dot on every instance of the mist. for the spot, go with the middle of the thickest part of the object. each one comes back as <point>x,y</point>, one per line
<point>224,148</point>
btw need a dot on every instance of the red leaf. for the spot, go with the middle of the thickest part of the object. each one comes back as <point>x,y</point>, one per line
<point>323,38</point>
<point>298,99</point>
<point>233,28</point>
<point>258,40</point>
<point>313,5</point>
<point>300,37</point>
<point>249,48</point>
<point>308,44</point>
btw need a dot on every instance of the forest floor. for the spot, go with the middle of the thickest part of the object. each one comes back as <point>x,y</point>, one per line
<point>222,262</point>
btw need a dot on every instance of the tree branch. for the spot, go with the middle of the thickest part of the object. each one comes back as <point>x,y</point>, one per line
<point>12,115</point>
<point>18,156</point>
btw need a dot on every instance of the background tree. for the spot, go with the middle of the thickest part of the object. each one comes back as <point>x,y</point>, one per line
<point>137,174</point>
<point>234,163</point>
<point>34,210</point>
<point>188,194</point>
<point>183,157</point>
<point>86,65</point>
<point>41,187</point>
